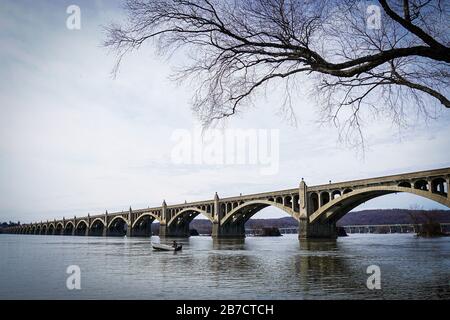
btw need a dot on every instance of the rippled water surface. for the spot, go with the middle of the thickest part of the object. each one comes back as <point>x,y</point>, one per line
<point>34,267</point>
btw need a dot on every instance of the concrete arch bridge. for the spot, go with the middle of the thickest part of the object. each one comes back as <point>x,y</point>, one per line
<point>316,208</point>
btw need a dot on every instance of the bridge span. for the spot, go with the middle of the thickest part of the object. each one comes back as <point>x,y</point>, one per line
<point>316,208</point>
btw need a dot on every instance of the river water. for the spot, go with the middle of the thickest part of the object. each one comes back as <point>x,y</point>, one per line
<point>34,267</point>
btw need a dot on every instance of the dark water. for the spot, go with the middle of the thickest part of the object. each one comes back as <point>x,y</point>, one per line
<point>258,268</point>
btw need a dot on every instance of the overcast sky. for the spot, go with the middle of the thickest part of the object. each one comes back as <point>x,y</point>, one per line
<point>74,140</point>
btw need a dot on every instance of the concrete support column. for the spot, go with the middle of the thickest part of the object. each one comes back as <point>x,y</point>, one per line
<point>129,230</point>
<point>233,230</point>
<point>217,214</point>
<point>229,230</point>
<point>74,230</point>
<point>215,229</point>
<point>162,229</point>
<point>164,211</point>
<point>105,227</point>
<point>88,228</point>
<point>303,198</point>
<point>130,223</point>
<point>318,230</point>
<point>163,223</point>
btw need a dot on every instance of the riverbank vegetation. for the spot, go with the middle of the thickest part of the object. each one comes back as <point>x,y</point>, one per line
<point>425,224</point>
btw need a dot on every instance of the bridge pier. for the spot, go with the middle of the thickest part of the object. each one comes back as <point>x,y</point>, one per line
<point>175,230</point>
<point>162,230</point>
<point>316,230</point>
<point>230,230</point>
<point>324,230</point>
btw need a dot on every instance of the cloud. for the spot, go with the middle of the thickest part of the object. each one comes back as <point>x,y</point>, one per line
<point>74,140</point>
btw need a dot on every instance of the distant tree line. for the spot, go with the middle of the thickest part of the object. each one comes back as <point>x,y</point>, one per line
<point>8,224</point>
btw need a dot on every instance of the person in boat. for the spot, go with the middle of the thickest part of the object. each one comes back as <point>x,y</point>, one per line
<point>175,244</point>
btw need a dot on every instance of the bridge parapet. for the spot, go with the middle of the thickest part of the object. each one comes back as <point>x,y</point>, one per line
<point>428,174</point>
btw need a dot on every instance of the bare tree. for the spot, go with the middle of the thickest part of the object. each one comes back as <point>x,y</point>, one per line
<point>392,58</point>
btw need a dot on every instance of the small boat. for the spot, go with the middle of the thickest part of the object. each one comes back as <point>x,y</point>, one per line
<point>165,247</point>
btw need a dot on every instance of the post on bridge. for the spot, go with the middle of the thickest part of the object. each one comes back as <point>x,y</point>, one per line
<point>88,228</point>
<point>316,230</point>
<point>105,226</point>
<point>217,217</point>
<point>163,222</point>
<point>221,229</point>
<point>130,223</point>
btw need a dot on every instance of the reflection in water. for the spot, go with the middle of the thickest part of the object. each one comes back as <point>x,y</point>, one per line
<point>324,269</point>
<point>228,244</point>
<point>318,245</point>
<point>252,268</point>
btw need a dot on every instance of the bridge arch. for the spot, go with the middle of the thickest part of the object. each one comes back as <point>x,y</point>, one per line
<point>405,184</point>
<point>114,220</point>
<point>51,229</point>
<point>336,209</point>
<point>81,228</point>
<point>97,227</point>
<point>142,216</point>
<point>97,221</point>
<point>69,228</point>
<point>335,194</point>
<point>421,185</point>
<point>246,210</point>
<point>324,197</point>
<point>81,222</point>
<point>314,201</point>
<point>59,228</point>
<point>118,226</point>
<point>187,215</point>
<point>142,226</point>
<point>439,185</point>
